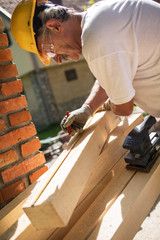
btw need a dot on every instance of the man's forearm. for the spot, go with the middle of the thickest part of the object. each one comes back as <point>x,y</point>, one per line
<point>122,109</point>
<point>97,97</point>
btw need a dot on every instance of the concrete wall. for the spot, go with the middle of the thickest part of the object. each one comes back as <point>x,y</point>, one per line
<point>50,95</point>
<point>70,95</point>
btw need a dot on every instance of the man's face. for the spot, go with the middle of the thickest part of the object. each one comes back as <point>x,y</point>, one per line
<point>59,46</point>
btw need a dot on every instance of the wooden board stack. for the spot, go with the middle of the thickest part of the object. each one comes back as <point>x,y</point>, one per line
<point>87,193</point>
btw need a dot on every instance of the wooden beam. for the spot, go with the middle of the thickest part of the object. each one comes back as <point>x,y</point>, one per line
<point>102,203</point>
<point>13,211</point>
<point>102,171</point>
<point>22,229</point>
<point>14,223</point>
<point>119,210</point>
<point>126,215</point>
<point>112,151</point>
<point>58,201</point>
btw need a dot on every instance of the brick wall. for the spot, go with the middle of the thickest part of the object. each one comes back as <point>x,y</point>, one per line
<point>21,162</point>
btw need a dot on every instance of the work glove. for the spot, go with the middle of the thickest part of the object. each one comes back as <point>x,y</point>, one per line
<point>77,119</point>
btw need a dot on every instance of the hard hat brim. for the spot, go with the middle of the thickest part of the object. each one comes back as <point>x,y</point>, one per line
<point>22,28</point>
<point>44,60</point>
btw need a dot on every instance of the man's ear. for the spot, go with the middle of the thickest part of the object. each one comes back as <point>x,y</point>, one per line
<point>54,25</point>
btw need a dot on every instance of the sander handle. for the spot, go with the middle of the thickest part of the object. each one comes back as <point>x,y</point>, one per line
<point>146,124</point>
<point>138,140</point>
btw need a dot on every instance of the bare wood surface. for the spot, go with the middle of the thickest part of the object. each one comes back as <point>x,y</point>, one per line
<point>24,228</point>
<point>12,211</point>
<point>59,199</point>
<point>124,218</point>
<point>112,151</point>
<point>102,172</point>
<point>102,203</point>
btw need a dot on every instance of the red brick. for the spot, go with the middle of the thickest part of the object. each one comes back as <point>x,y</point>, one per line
<point>8,71</point>
<point>6,55</point>
<point>2,125</point>
<point>13,104</point>
<point>34,176</point>
<point>11,87</point>
<point>1,25</point>
<point>3,40</point>
<point>13,190</point>
<point>30,147</point>
<point>7,158</point>
<point>23,168</point>
<point>17,135</point>
<point>19,117</point>
<point>1,198</point>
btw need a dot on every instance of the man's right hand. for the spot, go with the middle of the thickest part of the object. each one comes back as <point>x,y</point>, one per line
<point>77,119</point>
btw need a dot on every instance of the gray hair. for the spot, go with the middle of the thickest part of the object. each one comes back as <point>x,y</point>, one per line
<point>57,12</point>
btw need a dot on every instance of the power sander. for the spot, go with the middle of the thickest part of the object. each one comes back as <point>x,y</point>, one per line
<point>144,146</point>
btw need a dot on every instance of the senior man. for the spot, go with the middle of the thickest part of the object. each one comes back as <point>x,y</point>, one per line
<point>120,40</point>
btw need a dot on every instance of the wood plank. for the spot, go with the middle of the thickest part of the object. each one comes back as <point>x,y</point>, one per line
<point>99,178</point>
<point>125,216</point>
<point>112,151</point>
<point>10,214</point>
<point>25,230</point>
<point>102,203</point>
<point>23,225</point>
<point>58,201</point>
<point>13,222</point>
<point>22,229</point>
<point>60,233</point>
<point>12,211</point>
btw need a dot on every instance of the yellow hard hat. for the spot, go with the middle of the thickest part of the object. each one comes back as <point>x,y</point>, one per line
<point>22,28</point>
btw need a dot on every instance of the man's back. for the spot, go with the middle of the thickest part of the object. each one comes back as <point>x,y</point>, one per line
<point>121,43</point>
